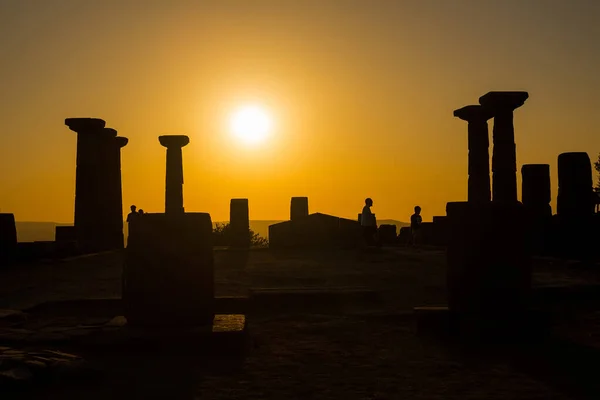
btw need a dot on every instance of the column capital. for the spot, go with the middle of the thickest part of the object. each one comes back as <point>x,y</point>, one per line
<point>473,113</point>
<point>170,141</point>
<point>506,101</point>
<point>110,132</point>
<point>121,141</point>
<point>84,124</point>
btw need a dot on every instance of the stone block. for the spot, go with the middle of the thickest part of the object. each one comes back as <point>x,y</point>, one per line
<point>239,223</point>
<point>387,234</point>
<point>169,270</point>
<point>575,185</point>
<point>488,258</point>
<point>298,208</point>
<point>8,239</point>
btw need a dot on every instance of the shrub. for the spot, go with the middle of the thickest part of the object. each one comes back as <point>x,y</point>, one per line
<point>222,233</point>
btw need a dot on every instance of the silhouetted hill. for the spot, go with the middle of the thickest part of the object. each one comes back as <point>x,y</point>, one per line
<point>33,231</point>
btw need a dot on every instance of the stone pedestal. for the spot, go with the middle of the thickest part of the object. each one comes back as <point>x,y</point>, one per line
<point>479,157</point>
<point>8,239</point>
<point>575,185</point>
<point>387,234</point>
<point>298,208</point>
<point>504,158</point>
<point>174,179</point>
<point>93,211</point>
<point>169,270</point>
<point>488,260</point>
<point>239,223</point>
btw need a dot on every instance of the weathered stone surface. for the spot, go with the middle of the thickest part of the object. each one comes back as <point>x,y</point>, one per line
<point>174,172</point>
<point>489,264</point>
<point>239,223</point>
<point>387,234</point>
<point>575,185</point>
<point>298,208</point>
<point>169,270</point>
<point>504,159</point>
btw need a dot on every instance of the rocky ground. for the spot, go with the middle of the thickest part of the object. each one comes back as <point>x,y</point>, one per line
<point>367,351</point>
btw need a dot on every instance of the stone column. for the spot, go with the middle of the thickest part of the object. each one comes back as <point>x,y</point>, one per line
<point>575,185</point>
<point>174,179</point>
<point>298,208</point>
<point>479,156</point>
<point>504,158</point>
<point>116,192</point>
<point>239,223</point>
<point>93,149</point>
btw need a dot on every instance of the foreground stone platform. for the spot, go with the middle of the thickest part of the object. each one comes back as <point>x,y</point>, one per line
<point>228,333</point>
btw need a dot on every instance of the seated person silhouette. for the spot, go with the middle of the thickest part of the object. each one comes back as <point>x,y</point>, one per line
<point>368,223</point>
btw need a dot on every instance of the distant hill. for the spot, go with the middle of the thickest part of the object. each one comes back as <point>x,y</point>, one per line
<point>43,231</point>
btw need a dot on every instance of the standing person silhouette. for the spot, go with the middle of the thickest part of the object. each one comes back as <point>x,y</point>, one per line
<point>368,223</point>
<point>133,214</point>
<point>415,225</point>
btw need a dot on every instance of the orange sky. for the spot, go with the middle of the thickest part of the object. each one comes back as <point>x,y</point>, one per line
<point>362,94</point>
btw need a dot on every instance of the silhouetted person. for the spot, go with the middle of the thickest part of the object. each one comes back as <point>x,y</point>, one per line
<point>415,225</point>
<point>133,214</point>
<point>140,212</point>
<point>368,223</point>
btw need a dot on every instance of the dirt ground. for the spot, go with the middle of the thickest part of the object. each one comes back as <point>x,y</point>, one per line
<point>364,354</point>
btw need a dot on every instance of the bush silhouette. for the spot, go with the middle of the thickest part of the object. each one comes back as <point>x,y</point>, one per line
<point>222,235</point>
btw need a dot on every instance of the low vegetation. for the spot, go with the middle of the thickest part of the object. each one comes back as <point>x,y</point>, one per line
<point>222,236</point>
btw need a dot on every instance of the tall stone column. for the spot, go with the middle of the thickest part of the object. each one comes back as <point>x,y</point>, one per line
<point>116,193</point>
<point>93,150</point>
<point>479,156</point>
<point>504,158</point>
<point>174,179</point>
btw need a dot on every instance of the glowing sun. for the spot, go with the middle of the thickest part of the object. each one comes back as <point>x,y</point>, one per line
<point>251,124</point>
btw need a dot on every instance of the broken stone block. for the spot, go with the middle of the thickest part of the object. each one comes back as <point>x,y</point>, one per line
<point>488,258</point>
<point>298,208</point>
<point>239,223</point>
<point>169,270</point>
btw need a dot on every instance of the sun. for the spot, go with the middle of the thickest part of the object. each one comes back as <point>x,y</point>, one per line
<point>251,124</point>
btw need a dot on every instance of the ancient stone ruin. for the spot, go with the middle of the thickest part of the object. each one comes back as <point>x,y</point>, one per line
<point>98,200</point>
<point>169,266</point>
<point>575,185</point>
<point>488,255</point>
<point>504,158</point>
<point>298,208</point>
<point>174,179</point>
<point>479,157</point>
<point>239,223</point>
<point>305,230</point>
